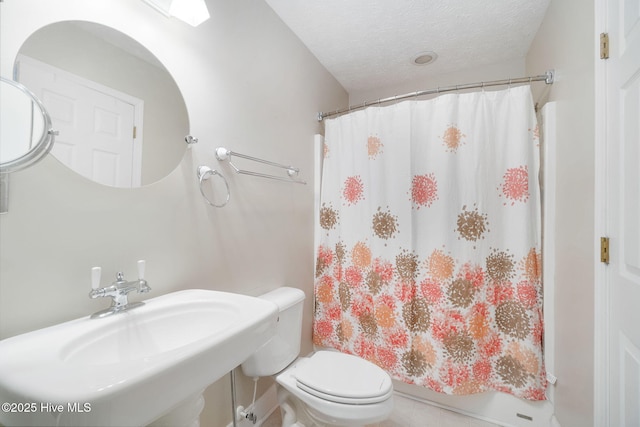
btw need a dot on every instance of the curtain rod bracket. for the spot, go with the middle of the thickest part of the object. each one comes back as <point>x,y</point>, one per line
<point>550,76</point>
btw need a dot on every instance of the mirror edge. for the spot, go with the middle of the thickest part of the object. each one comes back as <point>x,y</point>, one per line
<point>42,147</point>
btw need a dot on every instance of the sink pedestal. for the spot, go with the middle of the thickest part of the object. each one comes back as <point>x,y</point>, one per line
<point>186,414</point>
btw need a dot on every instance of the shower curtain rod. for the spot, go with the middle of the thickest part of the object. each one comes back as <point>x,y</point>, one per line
<point>547,77</point>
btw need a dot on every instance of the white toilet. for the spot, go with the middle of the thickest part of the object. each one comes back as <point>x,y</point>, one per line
<point>326,388</point>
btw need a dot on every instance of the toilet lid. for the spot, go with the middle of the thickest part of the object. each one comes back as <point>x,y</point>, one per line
<point>343,378</point>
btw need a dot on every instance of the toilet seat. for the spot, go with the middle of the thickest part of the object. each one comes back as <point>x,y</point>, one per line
<point>342,378</point>
<point>325,409</point>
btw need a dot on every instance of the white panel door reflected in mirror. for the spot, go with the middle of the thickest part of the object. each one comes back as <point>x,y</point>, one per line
<point>120,115</point>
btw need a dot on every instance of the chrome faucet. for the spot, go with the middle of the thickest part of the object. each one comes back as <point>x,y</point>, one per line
<point>118,291</point>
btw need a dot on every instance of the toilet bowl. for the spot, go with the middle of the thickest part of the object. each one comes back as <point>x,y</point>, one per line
<point>324,388</point>
<point>337,389</point>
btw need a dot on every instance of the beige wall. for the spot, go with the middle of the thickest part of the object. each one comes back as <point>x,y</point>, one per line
<point>248,84</point>
<point>567,42</point>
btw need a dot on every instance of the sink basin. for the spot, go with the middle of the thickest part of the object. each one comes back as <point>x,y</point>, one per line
<point>133,367</point>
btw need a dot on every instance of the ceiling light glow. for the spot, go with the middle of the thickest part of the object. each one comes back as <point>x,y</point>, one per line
<point>193,12</point>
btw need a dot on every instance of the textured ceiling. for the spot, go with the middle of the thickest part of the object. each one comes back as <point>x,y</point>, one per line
<point>369,44</point>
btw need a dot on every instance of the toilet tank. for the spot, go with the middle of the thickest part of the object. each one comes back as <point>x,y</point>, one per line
<point>284,346</point>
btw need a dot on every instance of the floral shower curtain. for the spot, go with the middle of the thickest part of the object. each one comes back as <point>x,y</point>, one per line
<point>429,257</point>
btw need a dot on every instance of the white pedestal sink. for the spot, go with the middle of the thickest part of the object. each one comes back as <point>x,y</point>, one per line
<point>134,367</point>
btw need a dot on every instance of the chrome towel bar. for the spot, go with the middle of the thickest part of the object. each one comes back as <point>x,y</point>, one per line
<point>225,154</point>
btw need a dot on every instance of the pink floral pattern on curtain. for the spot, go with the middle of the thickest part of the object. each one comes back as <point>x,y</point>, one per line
<point>429,261</point>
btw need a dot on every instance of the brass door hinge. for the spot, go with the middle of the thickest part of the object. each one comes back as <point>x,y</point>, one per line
<point>604,45</point>
<point>135,132</point>
<point>604,250</point>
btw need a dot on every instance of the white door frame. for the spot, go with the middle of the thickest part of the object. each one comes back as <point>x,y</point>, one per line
<point>601,306</point>
<point>601,294</point>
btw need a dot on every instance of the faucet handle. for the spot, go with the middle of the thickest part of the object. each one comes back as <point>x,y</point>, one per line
<point>141,267</point>
<point>95,277</point>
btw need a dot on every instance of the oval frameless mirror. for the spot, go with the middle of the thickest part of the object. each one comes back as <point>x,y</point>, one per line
<point>121,118</point>
<point>25,127</point>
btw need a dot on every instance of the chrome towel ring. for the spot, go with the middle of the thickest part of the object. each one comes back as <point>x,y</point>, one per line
<point>204,172</point>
